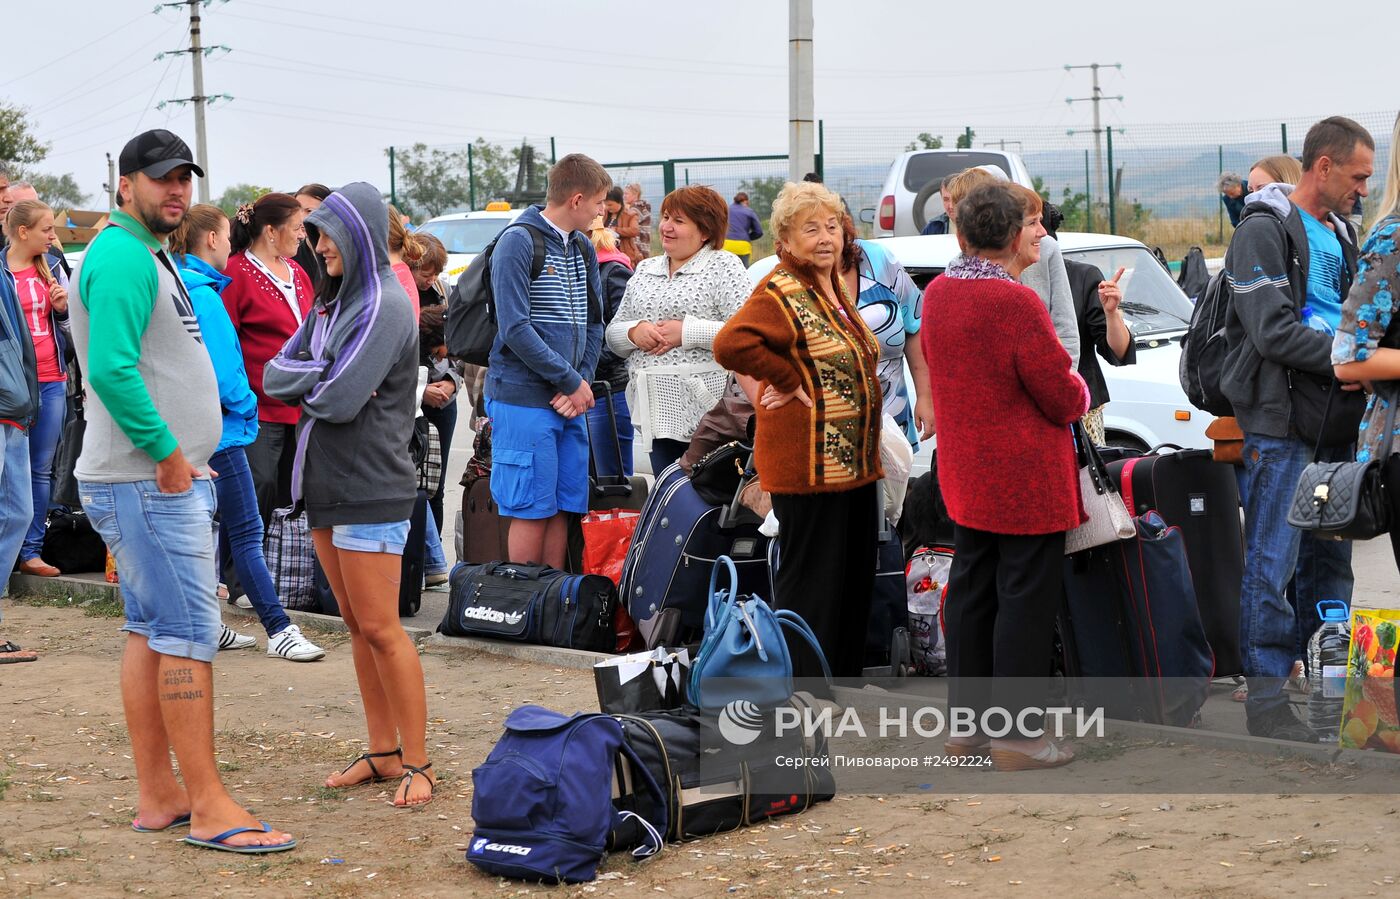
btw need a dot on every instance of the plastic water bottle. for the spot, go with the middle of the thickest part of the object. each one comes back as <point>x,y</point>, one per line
<point>1327,668</point>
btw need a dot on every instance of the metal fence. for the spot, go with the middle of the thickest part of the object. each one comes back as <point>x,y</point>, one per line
<point>1164,175</point>
<point>1163,181</point>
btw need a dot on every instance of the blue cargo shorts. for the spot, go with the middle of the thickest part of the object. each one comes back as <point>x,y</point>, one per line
<point>539,461</point>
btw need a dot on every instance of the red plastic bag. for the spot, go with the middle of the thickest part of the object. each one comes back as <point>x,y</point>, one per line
<point>606,536</point>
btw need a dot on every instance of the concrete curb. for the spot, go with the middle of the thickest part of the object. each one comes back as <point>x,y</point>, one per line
<point>580,660</point>
<point>28,584</point>
<point>552,656</point>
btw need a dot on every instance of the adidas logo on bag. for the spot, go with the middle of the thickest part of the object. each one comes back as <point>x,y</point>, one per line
<point>482,844</point>
<point>486,613</point>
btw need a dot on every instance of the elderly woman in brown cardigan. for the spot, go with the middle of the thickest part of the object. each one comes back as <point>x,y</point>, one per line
<point>817,439</point>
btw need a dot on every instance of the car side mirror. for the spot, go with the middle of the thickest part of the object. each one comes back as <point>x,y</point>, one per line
<point>867,215</point>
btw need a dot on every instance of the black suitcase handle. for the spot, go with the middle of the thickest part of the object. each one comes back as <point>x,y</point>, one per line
<point>606,485</point>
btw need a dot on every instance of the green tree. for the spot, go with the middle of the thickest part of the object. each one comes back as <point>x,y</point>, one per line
<point>430,181</point>
<point>1038,185</point>
<point>762,192</point>
<point>965,139</point>
<point>925,141</point>
<point>18,146</point>
<point>59,191</point>
<point>236,195</point>
<point>496,169</point>
<point>1075,208</point>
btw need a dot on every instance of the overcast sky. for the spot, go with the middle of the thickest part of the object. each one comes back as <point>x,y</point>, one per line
<point>321,87</point>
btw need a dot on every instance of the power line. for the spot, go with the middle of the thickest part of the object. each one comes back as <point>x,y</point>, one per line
<point>48,64</point>
<point>710,66</point>
<point>611,105</point>
<point>199,100</point>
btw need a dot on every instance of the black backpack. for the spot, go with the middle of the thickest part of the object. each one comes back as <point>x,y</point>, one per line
<point>1194,277</point>
<point>1203,349</point>
<point>471,307</point>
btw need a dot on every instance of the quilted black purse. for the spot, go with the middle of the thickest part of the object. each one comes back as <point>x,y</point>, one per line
<point>1346,500</point>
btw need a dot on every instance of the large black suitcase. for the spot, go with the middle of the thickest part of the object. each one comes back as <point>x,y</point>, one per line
<point>414,551</point>
<point>1200,496</point>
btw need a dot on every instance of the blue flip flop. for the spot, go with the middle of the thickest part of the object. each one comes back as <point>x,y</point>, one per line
<point>218,841</point>
<point>181,821</point>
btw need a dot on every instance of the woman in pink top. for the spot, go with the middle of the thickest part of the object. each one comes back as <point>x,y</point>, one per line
<point>267,298</point>
<point>405,250</point>
<point>42,290</point>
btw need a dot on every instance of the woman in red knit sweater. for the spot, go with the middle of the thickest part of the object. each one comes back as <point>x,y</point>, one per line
<point>267,297</point>
<point>817,437</point>
<point>1004,395</point>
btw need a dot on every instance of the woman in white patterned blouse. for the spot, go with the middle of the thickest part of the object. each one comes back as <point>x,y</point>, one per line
<point>674,306</point>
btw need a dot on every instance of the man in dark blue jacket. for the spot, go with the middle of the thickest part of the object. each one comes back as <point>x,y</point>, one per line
<point>550,335</point>
<point>1289,267</point>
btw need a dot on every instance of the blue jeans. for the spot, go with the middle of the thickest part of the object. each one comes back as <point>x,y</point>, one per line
<point>241,529</point>
<point>43,442</point>
<point>434,560</point>
<point>601,440</point>
<point>381,537</point>
<point>1275,553</point>
<point>16,498</point>
<point>164,547</point>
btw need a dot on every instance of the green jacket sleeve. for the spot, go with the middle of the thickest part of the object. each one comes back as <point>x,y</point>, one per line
<point>118,290</point>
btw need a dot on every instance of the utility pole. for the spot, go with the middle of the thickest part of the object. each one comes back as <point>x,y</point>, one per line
<point>800,93</point>
<point>197,52</point>
<point>1098,128</point>
<point>111,184</point>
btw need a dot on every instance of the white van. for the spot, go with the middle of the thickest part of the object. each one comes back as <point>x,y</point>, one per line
<point>910,196</point>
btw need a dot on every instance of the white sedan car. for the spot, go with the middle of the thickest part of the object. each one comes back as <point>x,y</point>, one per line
<point>465,234</point>
<point>1147,406</point>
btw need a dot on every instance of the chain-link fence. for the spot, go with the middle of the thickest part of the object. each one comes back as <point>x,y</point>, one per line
<point>1163,180</point>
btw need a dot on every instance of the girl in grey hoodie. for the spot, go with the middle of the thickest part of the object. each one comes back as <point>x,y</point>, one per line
<point>353,368</point>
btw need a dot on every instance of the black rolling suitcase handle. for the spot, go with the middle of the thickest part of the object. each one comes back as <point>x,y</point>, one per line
<point>611,485</point>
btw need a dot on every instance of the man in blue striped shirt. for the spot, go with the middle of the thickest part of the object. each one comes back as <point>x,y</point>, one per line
<point>550,334</point>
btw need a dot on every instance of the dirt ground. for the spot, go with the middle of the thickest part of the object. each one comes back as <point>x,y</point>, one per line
<point>67,792</point>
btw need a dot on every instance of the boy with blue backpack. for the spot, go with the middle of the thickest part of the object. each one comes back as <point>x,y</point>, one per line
<point>550,332</point>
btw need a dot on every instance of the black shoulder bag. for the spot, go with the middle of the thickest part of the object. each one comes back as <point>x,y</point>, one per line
<point>1346,500</point>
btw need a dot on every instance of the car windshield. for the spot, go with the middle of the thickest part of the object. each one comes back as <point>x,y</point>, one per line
<point>465,235</point>
<point>925,167</point>
<point>1152,303</point>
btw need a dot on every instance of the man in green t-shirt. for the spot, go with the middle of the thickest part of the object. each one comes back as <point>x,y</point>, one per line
<point>153,419</point>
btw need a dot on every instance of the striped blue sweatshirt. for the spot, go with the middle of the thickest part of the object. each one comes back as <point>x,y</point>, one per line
<point>550,329</point>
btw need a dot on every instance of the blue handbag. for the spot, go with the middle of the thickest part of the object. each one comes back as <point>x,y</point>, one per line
<point>743,655</point>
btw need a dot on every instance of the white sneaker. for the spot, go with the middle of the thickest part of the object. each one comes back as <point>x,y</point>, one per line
<point>232,639</point>
<point>289,644</point>
<point>243,602</point>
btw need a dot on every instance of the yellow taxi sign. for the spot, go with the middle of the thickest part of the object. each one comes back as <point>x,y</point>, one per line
<point>498,206</point>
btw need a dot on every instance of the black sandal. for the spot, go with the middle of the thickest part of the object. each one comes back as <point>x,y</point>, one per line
<point>368,758</point>
<point>406,781</point>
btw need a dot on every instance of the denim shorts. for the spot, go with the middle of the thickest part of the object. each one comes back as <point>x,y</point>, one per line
<point>163,544</point>
<point>539,461</point>
<point>384,537</point>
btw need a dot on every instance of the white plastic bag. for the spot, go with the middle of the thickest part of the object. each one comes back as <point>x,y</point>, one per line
<point>897,459</point>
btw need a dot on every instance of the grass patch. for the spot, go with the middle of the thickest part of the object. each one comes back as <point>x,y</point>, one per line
<point>323,793</point>
<point>5,774</point>
<point>95,603</point>
<point>1100,750</point>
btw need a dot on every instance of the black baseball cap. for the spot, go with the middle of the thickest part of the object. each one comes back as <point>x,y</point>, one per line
<point>155,153</point>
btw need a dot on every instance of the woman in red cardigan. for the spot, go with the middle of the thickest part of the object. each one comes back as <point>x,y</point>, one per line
<point>267,298</point>
<point>1004,395</point>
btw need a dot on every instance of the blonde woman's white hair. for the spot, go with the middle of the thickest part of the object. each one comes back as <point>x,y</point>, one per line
<point>797,200</point>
